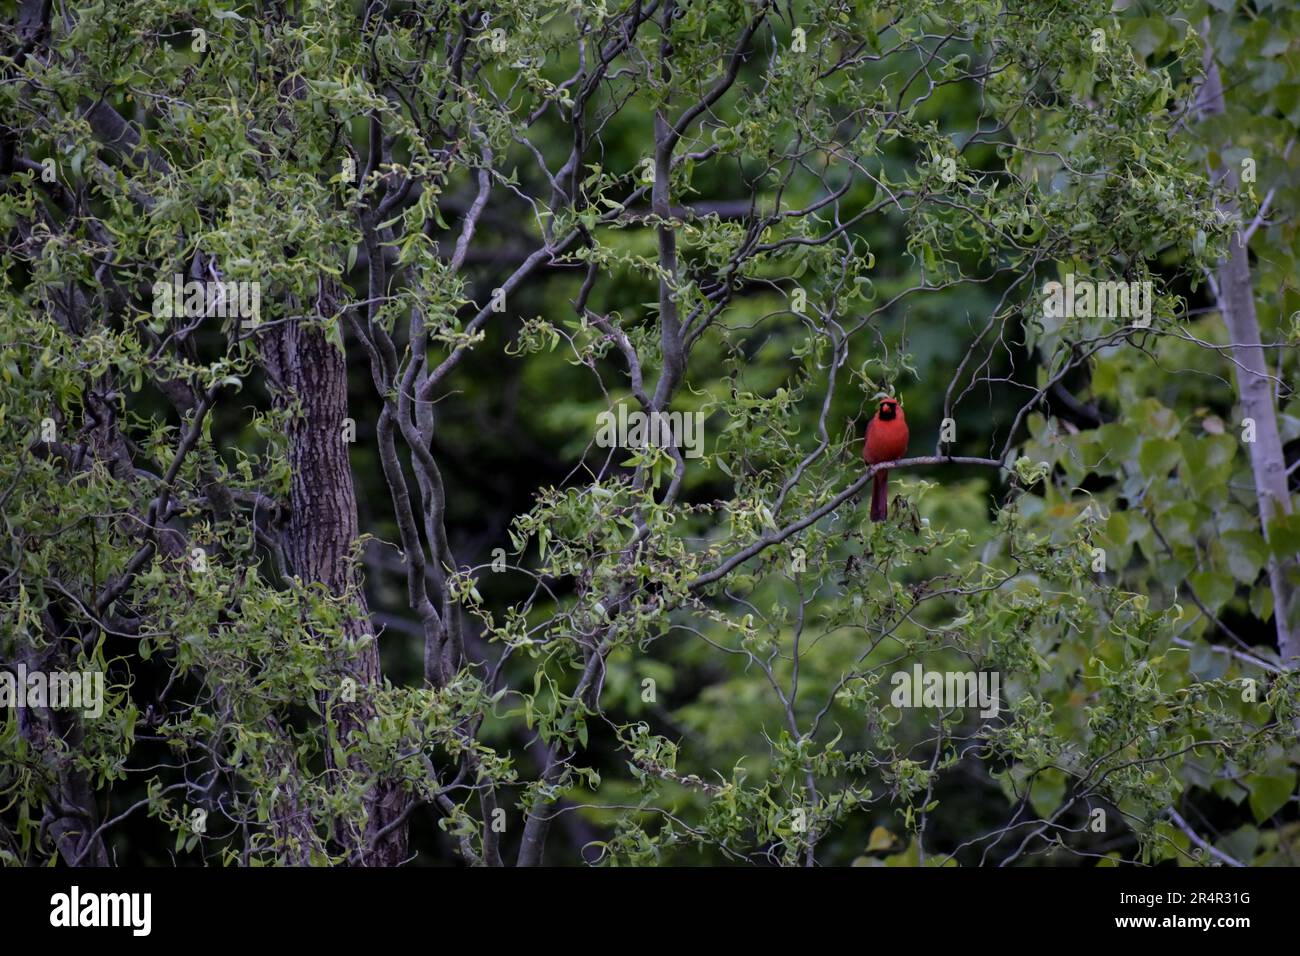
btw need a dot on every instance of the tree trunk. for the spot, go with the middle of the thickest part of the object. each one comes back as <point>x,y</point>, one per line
<point>312,375</point>
<point>1236,301</point>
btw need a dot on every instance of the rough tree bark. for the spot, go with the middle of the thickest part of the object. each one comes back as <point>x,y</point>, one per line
<point>310,375</point>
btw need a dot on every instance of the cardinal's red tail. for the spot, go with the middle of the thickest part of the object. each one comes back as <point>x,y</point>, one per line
<point>880,496</point>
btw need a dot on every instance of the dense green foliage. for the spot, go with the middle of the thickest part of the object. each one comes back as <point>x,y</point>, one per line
<point>670,659</point>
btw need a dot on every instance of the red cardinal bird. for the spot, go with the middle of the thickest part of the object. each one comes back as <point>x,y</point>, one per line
<point>886,441</point>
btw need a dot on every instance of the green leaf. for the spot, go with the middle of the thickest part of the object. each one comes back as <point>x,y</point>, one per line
<point>880,840</point>
<point>1269,793</point>
<point>1245,553</point>
<point>1158,457</point>
<point>1048,792</point>
<point>1284,535</point>
<point>1118,441</point>
<point>1215,590</point>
